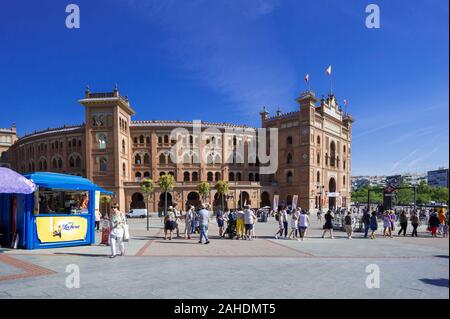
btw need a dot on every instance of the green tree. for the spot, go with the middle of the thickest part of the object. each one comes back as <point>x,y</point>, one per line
<point>222,188</point>
<point>203,190</point>
<point>147,187</point>
<point>166,184</point>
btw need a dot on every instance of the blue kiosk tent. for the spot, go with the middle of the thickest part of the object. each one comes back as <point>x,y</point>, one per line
<point>60,213</point>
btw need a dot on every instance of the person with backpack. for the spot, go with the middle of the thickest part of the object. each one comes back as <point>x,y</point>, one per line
<point>433,224</point>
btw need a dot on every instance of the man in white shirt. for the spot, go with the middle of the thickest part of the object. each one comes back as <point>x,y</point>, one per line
<point>249,217</point>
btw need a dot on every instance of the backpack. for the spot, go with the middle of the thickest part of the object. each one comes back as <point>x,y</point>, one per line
<point>232,217</point>
<point>277,217</point>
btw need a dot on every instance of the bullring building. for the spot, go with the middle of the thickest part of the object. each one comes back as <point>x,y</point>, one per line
<point>115,152</point>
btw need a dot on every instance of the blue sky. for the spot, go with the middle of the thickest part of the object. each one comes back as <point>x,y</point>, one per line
<point>223,60</point>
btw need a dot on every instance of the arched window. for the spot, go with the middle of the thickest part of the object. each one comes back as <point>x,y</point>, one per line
<point>103,164</point>
<point>162,174</point>
<point>345,148</point>
<point>146,158</point>
<point>343,163</point>
<point>318,177</point>
<point>343,180</point>
<point>146,174</point>
<point>137,177</point>
<point>256,177</point>
<point>238,177</point>
<point>135,140</point>
<point>250,177</point>
<point>289,158</point>
<point>172,173</point>
<point>74,142</point>
<point>231,177</point>
<point>210,177</point>
<point>160,140</point>
<point>54,163</point>
<point>195,177</point>
<point>79,143</point>
<point>78,162</point>
<point>166,139</point>
<point>186,176</point>
<point>60,163</point>
<point>217,176</point>
<point>332,154</point>
<point>123,146</point>
<point>289,177</point>
<point>318,140</point>
<point>102,141</point>
<point>147,139</point>
<point>318,158</point>
<point>124,170</point>
<point>186,159</point>
<point>137,159</point>
<point>289,140</point>
<point>162,159</point>
<point>141,139</point>
<point>71,162</point>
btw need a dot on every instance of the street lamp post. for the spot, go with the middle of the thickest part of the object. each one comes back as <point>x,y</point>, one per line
<point>320,187</point>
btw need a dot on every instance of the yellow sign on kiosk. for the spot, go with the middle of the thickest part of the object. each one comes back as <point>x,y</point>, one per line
<point>58,229</point>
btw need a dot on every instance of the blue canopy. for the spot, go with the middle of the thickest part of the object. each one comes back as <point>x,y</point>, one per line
<point>63,181</point>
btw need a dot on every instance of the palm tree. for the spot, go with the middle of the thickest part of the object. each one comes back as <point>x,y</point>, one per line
<point>222,188</point>
<point>203,190</point>
<point>147,187</point>
<point>166,184</point>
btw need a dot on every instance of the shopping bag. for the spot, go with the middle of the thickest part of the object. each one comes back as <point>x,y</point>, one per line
<point>126,232</point>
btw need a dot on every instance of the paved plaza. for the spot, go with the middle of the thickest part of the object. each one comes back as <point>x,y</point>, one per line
<point>262,268</point>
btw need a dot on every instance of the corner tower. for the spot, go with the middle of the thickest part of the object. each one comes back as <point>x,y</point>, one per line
<point>108,140</point>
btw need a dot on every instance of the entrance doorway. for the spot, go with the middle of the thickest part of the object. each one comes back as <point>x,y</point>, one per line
<point>332,189</point>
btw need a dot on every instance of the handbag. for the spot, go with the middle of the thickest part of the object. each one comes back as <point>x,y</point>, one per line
<point>126,232</point>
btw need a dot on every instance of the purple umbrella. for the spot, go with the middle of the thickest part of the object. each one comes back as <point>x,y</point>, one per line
<point>14,183</point>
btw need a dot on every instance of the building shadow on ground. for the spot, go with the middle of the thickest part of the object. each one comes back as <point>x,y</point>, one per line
<point>441,282</point>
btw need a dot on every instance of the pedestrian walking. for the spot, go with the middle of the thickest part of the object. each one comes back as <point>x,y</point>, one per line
<point>204,221</point>
<point>188,219</point>
<point>169,223</point>
<point>249,218</point>
<point>415,223</point>
<point>220,222</point>
<point>403,223</point>
<point>348,225</point>
<point>328,226</point>
<point>117,223</point>
<point>433,224</point>
<point>97,220</point>
<point>284,215</point>
<point>177,219</point>
<point>303,224</point>
<point>366,222</point>
<point>279,219</point>
<point>240,224</point>
<point>294,225</point>
<point>373,224</point>
<point>387,230</point>
<point>442,220</point>
<point>393,218</point>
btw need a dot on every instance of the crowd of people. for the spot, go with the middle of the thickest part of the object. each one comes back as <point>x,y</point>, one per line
<point>292,223</point>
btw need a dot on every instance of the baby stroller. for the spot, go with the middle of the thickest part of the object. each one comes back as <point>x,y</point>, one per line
<point>231,226</point>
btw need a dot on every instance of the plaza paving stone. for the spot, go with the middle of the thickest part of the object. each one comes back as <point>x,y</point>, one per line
<point>262,268</point>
